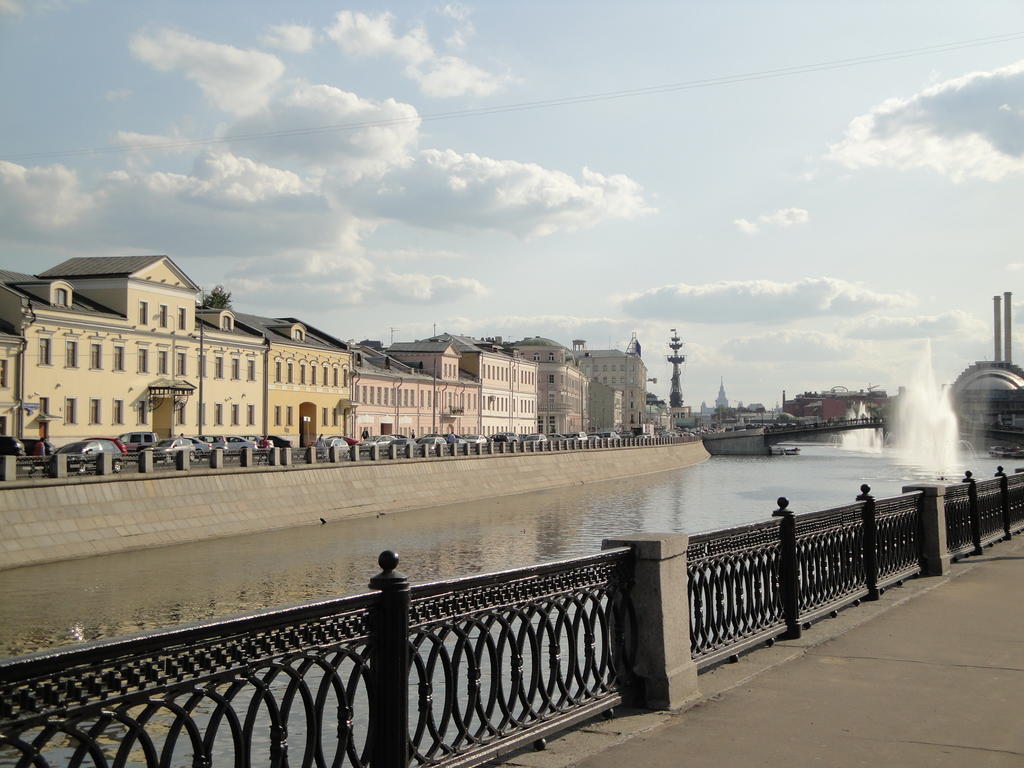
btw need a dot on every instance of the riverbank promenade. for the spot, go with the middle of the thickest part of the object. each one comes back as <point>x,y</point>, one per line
<point>930,675</point>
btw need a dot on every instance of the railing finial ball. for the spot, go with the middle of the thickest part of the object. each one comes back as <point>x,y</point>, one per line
<point>783,502</point>
<point>387,560</point>
<point>865,488</point>
<point>968,475</point>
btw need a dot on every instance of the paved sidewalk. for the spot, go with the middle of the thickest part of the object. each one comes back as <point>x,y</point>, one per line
<point>932,675</point>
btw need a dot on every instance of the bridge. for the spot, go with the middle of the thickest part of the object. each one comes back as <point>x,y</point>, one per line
<point>756,442</point>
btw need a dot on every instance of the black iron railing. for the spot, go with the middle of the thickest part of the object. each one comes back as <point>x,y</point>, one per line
<point>496,661</point>
<point>1015,502</point>
<point>990,511</point>
<point>958,520</point>
<point>898,538</point>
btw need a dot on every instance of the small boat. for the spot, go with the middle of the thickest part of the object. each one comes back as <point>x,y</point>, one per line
<point>1006,452</point>
<point>783,450</point>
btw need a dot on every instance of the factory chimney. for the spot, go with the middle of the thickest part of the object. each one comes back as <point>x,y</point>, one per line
<point>1007,318</point>
<point>997,318</point>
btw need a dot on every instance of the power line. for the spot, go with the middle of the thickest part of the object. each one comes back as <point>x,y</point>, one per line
<point>686,85</point>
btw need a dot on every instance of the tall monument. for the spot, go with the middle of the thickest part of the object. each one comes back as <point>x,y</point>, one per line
<point>675,397</point>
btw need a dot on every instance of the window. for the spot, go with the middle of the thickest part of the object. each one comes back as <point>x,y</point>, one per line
<point>71,354</point>
<point>234,414</point>
<point>44,405</point>
<point>288,411</point>
<point>290,373</point>
<point>143,358</point>
<point>182,367</point>
<point>302,373</point>
<point>117,413</point>
<point>334,418</point>
<point>250,370</point>
<point>551,357</point>
<point>61,297</point>
<point>94,410</point>
<point>323,419</point>
<point>551,378</point>
<point>3,374</point>
<point>277,371</point>
<point>277,415</point>
<point>140,412</point>
<point>312,374</point>
<point>143,313</point>
<point>161,362</point>
<point>226,323</point>
<point>96,356</point>
<point>70,410</point>
<point>297,334</point>
<point>218,367</point>
<point>162,315</point>
<point>250,415</point>
<point>182,318</point>
<point>325,374</point>
<point>236,368</point>
<point>335,378</point>
<point>218,414</point>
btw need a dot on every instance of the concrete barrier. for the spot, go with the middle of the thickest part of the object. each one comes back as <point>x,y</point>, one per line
<point>50,520</point>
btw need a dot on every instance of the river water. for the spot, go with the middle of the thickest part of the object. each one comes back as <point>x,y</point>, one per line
<point>60,603</point>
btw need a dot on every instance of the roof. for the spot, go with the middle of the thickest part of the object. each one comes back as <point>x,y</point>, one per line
<point>420,346</point>
<point>537,341</point>
<point>276,329</point>
<point>97,266</point>
<point>7,276</point>
<point>600,353</point>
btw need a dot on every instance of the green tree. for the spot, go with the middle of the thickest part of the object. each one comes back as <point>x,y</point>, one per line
<point>217,298</point>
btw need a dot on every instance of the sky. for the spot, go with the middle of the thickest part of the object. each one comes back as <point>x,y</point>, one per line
<point>813,194</point>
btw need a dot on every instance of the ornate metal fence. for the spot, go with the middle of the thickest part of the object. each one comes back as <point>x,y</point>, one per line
<point>1015,492</point>
<point>958,520</point>
<point>898,541</point>
<point>496,661</point>
<point>990,510</point>
<point>733,590</point>
<point>829,556</point>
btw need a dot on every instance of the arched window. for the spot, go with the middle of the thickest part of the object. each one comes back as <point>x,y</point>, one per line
<point>61,297</point>
<point>227,321</point>
<point>298,332</point>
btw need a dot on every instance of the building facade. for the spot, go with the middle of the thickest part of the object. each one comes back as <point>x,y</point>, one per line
<point>427,393</point>
<point>604,406</point>
<point>308,380</point>
<point>507,381</point>
<point>562,389</point>
<point>624,371</point>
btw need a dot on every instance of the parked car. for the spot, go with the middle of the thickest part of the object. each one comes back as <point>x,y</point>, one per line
<point>347,440</point>
<point>166,450</point>
<point>211,441</point>
<point>136,441</point>
<point>438,440</point>
<point>505,437</point>
<point>121,446</point>
<point>536,437</point>
<point>279,442</point>
<point>382,439</point>
<point>11,446</point>
<point>237,444</point>
<point>33,448</point>
<point>475,439</point>
<point>82,453</point>
<point>574,436</point>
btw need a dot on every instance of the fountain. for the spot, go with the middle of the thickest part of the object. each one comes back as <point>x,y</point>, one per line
<point>926,434</point>
<point>862,440</point>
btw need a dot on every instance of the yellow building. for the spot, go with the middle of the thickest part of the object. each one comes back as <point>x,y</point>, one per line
<point>111,344</point>
<point>308,379</point>
<point>10,395</point>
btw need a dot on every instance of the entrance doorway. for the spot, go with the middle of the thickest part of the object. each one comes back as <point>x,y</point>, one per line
<point>307,424</point>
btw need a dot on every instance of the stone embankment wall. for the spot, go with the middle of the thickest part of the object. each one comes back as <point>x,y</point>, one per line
<point>59,520</point>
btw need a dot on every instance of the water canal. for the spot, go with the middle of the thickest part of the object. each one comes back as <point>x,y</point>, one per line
<point>60,603</point>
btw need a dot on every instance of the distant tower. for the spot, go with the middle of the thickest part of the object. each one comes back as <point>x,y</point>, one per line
<point>721,401</point>
<point>675,397</point>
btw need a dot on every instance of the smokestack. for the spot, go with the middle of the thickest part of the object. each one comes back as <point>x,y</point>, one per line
<point>1007,317</point>
<point>997,318</point>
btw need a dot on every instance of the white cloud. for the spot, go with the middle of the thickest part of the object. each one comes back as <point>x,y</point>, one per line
<point>790,345</point>
<point>118,94</point>
<point>11,7</point>
<point>782,218</point>
<point>173,142</point>
<point>426,289</point>
<point>387,132</point>
<point>234,80</point>
<point>968,127</point>
<point>759,301</point>
<point>289,37</point>
<point>365,35</point>
<point>40,198</point>
<point>445,189</point>
<point>928,326</point>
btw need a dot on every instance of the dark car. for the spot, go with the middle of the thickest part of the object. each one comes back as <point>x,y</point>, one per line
<point>82,454</point>
<point>32,447</point>
<point>11,446</point>
<point>279,442</point>
<point>506,437</point>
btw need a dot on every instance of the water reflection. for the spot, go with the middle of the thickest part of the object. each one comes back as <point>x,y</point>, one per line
<point>62,603</point>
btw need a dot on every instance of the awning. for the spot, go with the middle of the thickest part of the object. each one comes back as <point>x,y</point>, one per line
<point>48,417</point>
<point>170,388</point>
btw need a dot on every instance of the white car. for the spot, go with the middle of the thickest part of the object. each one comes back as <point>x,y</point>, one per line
<point>475,439</point>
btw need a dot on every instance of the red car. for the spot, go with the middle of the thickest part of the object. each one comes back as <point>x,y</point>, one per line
<point>120,446</point>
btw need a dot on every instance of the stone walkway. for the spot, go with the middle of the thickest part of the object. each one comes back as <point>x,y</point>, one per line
<point>930,675</point>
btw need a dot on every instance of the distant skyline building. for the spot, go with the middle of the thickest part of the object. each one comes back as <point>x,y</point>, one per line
<point>675,397</point>
<point>620,370</point>
<point>721,401</point>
